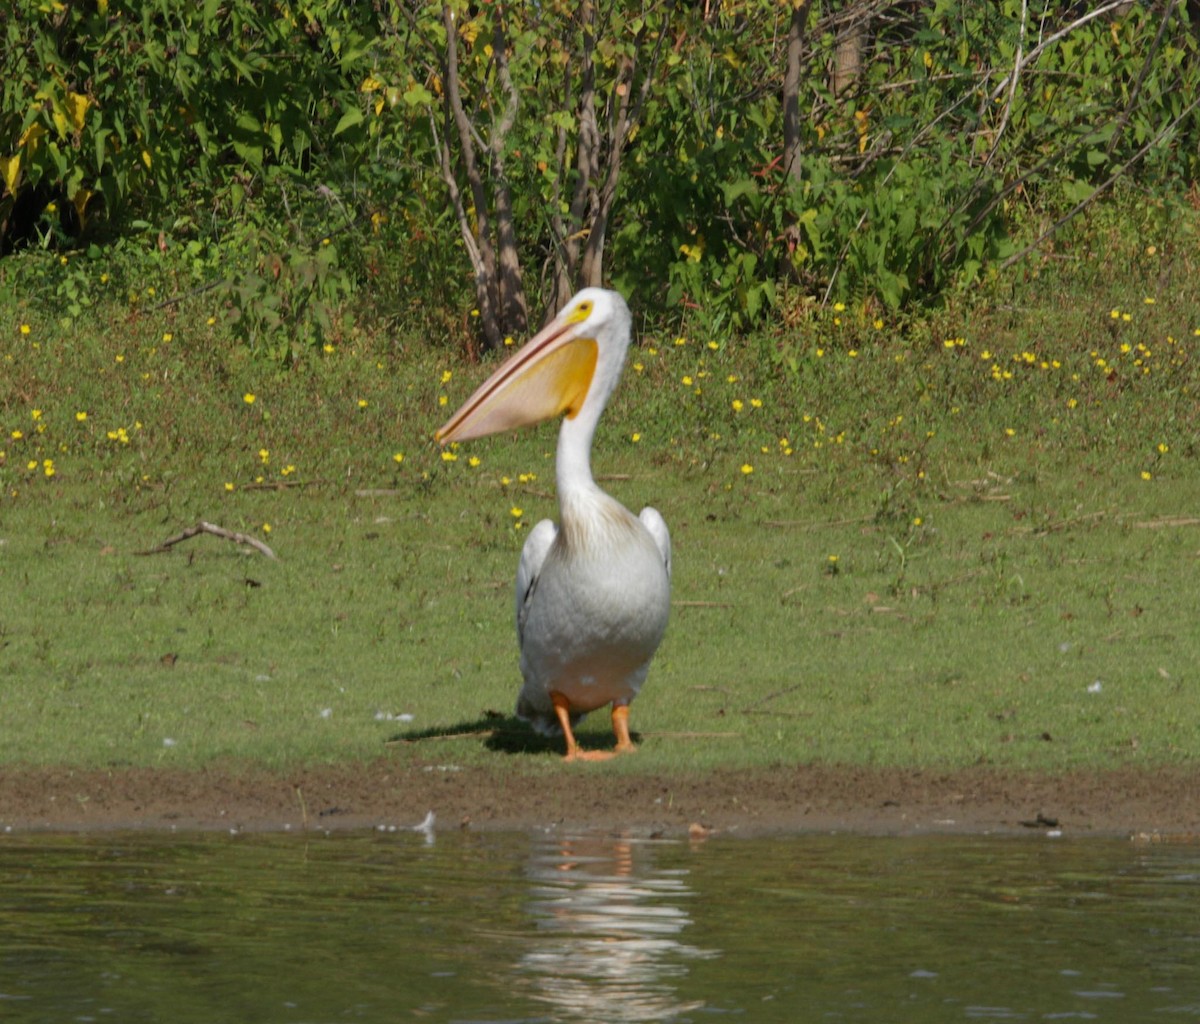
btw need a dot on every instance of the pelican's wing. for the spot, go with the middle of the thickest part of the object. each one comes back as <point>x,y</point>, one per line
<point>533,554</point>
<point>657,526</point>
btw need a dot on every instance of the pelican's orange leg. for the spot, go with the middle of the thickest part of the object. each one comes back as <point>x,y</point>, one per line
<point>574,753</point>
<point>620,724</point>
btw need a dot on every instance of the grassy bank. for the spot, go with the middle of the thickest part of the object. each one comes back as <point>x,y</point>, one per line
<point>972,537</point>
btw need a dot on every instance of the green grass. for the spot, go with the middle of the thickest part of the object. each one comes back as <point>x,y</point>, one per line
<point>899,550</point>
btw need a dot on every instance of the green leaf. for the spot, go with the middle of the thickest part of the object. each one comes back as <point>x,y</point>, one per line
<point>349,119</point>
<point>417,95</point>
<point>734,190</point>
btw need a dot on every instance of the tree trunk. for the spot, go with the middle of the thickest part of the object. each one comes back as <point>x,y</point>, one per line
<point>792,164</point>
<point>848,57</point>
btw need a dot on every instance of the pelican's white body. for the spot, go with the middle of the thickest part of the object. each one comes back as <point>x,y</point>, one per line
<point>592,603</point>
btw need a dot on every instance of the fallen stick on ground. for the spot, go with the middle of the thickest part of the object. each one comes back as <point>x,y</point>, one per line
<point>490,730</point>
<point>216,531</point>
<point>1164,521</point>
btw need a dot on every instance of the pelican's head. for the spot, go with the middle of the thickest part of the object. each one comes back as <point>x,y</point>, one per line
<point>574,361</point>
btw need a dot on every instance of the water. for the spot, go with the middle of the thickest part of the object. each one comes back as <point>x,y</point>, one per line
<point>504,927</point>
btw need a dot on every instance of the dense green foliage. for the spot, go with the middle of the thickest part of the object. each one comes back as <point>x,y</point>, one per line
<point>289,157</point>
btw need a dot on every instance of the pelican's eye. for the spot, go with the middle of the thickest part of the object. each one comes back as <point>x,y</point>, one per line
<point>580,312</point>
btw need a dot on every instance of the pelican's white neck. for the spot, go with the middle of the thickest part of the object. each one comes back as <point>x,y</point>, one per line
<point>573,465</point>
<point>573,462</point>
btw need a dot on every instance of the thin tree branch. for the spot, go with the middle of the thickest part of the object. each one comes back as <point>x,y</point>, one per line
<point>1012,90</point>
<point>514,313</point>
<point>485,278</point>
<point>1119,129</point>
<point>216,531</point>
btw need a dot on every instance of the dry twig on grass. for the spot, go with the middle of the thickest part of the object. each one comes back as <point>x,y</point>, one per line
<point>216,531</point>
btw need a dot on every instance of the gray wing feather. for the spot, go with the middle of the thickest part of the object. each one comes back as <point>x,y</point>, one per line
<point>657,527</point>
<point>533,555</point>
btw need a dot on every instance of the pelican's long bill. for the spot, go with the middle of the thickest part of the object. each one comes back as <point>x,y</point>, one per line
<point>550,375</point>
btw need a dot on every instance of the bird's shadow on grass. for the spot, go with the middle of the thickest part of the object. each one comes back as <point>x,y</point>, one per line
<point>502,734</point>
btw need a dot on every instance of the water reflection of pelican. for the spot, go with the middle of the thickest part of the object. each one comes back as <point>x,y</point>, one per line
<point>608,923</point>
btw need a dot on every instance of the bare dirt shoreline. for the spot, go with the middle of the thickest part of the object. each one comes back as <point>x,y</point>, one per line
<point>1146,803</point>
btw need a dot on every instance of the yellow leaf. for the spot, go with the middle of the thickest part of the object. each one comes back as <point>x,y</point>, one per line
<point>146,158</point>
<point>80,201</point>
<point>77,107</point>
<point>60,122</point>
<point>370,84</point>
<point>10,170</point>
<point>102,6</point>
<point>379,104</point>
<point>30,137</point>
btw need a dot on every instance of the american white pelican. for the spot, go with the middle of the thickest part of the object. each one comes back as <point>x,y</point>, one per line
<point>593,593</point>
